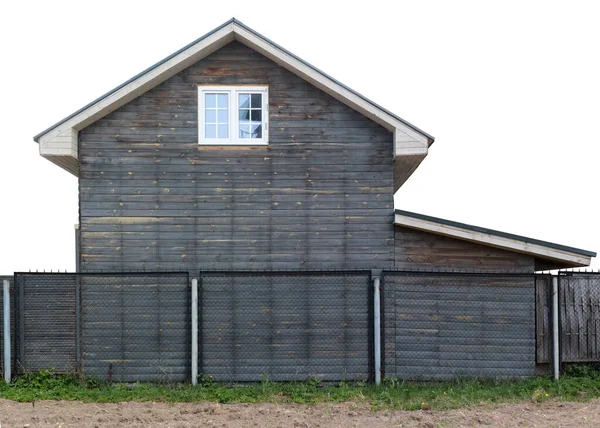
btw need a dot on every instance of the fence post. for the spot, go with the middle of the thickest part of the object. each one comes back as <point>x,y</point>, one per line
<point>194,331</point>
<point>377,329</point>
<point>78,321</point>
<point>20,364</point>
<point>77,249</point>
<point>7,359</point>
<point>555,329</point>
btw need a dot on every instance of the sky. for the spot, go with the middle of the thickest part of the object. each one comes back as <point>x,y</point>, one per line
<point>509,89</point>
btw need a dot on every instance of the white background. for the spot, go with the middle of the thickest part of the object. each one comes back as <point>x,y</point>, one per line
<point>510,90</point>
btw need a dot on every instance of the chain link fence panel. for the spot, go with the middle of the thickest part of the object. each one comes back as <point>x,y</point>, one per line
<point>285,326</point>
<point>444,326</point>
<point>136,326</point>
<point>299,325</point>
<point>46,320</point>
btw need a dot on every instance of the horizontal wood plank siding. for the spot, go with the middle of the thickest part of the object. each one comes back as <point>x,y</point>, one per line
<point>415,249</point>
<point>319,196</point>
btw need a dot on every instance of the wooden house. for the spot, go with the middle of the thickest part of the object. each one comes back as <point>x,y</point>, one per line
<point>233,153</point>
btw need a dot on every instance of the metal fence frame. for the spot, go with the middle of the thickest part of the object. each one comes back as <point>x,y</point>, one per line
<point>19,339</point>
<point>10,279</point>
<point>585,282</point>
<point>134,274</point>
<point>203,274</point>
<point>386,274</point>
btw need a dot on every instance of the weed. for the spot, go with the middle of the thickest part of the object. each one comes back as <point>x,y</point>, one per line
<point>580,384</point>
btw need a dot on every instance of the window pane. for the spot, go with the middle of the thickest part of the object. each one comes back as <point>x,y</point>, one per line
<point>244,101</point>
<point>210,116</point>
<point>256,131</point>
<point>223,131</point>
<point>256,115</point>
<point>210,131</point>
<point>222,115</point>
<point>244,130</point>
<point>244,114</point>
<point>210,100</point>
<point>222,100</point>
<point>256,101</point>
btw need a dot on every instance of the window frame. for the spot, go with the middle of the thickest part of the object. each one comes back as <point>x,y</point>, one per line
<point>233,92</point>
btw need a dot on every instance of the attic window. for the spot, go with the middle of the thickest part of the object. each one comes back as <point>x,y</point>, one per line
<point>233,115</point>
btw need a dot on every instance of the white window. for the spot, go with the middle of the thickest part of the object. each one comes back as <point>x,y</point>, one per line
<point>236,115</point>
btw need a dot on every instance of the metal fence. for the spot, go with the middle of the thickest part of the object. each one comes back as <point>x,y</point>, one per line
<point>440,326</point>
<point>45,313</point>
<point>12,318</point>
<point>286,326</point>
<point>579,303</point>
<point>136,327</point>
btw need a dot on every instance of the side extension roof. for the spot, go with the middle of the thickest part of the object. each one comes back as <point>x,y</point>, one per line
<point>58,143</point>
<point>548,255</point>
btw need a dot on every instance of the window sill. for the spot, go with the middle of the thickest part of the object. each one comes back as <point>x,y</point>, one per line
<point>233,144</point>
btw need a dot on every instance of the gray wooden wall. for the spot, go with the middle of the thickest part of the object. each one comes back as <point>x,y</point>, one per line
<point>319,196</point>
<point>415,249</point>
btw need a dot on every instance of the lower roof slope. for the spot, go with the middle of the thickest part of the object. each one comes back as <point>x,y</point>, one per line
<point>547,254</point>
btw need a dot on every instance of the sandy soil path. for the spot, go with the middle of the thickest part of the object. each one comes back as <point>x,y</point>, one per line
<point>62,414</point>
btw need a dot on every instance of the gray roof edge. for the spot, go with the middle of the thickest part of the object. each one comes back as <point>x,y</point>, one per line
<point>137,76</point>
<point>497,233</point>
<point>232,20</point>
<point>374,104</point>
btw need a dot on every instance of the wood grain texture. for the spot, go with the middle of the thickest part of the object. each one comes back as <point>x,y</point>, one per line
<point>319,196</point>
<point>415,249</point>
<point>543,318</point>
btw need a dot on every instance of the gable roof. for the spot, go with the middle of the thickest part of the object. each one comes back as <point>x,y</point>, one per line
<point>548,255</point>
<point>58,143</point>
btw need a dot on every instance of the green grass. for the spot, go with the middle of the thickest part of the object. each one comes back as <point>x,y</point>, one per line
<point>579,385</point>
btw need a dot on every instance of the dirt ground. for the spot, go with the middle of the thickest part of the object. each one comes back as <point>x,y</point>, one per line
<point>62,414</point>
